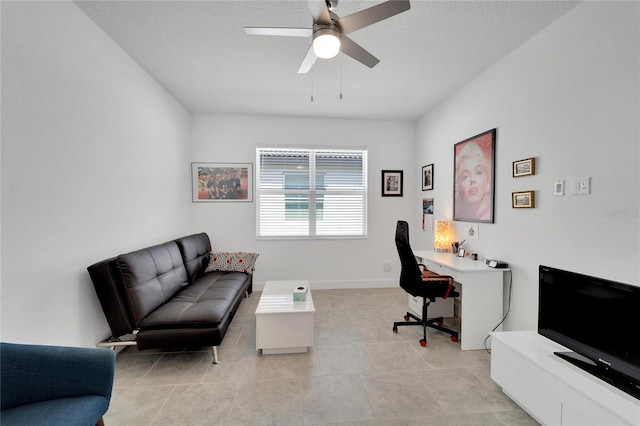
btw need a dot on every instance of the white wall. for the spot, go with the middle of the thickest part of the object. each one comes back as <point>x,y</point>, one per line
<point>325,263</point>
<point>94,163</point>
<point>570,98</point>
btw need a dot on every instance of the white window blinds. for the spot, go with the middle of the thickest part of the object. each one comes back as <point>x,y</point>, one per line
<point>311,193</point>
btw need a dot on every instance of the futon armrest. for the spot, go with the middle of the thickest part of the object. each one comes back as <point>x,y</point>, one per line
<point>34,373</point>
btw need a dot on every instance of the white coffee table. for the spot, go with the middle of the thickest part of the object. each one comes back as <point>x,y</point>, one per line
<point>282,325</point>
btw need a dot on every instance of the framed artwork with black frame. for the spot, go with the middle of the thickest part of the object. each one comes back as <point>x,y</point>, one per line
<point>392,183</point>
<point>427,177</point>
<point>474,178</point>
<point>221,182</point>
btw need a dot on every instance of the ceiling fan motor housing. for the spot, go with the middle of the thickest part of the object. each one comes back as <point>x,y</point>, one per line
<point>326,40</point>
<point>324,29</point>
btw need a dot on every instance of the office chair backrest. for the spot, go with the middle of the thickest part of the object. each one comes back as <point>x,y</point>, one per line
<point>410,275</point>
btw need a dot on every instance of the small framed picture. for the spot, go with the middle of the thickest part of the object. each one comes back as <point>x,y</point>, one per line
<point>427,214</point>
<point>427,177</point>
<point>461,252</point>
<point>524,167</point>
<point>523,200</point>
<point>221,182</point>
<point>392,183</point>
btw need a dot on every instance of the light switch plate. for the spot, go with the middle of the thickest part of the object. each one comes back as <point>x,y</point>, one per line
<point>558,188</point>
<point>582,186</point>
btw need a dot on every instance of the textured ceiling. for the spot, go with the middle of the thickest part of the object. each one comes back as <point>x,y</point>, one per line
<point>199,52</point>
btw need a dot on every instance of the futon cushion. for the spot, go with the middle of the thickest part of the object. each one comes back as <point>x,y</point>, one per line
<point>151,277</point>
<point>195,250</point>
<point>239,262</point>
<point>205,303</point>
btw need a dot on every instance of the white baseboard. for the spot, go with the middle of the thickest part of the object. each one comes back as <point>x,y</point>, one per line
<point>333,285</point>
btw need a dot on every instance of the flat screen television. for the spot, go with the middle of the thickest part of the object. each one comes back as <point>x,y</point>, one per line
<point>598,320</point>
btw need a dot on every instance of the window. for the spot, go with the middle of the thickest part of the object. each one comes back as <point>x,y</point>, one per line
<point>311,193</point>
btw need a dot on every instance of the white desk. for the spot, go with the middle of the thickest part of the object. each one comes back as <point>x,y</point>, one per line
<point>282,325</point>
<point>481,294</point>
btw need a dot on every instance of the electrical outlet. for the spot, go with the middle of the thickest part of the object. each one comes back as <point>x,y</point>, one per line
<point>582,186</point>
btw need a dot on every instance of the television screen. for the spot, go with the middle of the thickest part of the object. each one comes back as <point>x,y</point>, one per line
<point>596,318</point>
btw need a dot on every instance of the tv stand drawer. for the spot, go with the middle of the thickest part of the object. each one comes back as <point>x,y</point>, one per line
<point>527,394</point>
<point>553,391</point>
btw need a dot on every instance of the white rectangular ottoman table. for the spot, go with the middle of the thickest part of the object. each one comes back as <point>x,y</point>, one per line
<point>282,325</point>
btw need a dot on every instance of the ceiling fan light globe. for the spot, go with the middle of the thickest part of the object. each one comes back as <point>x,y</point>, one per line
<point>326,45</point>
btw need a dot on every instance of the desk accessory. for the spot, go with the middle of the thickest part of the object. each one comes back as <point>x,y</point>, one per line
<point>499,264</point>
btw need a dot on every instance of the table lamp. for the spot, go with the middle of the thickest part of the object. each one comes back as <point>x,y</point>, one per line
<point>441,236</point>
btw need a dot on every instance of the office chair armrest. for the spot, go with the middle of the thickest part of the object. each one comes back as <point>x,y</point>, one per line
<point>428,275</point>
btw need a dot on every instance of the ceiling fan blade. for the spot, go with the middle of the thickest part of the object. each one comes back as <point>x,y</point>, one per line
<point>308,61</point>
<point>357,52</point>
<point>372,15</point>
<point>290,32</point>
<point>319,11</point>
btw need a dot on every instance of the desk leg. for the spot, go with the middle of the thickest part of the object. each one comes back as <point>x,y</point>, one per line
<point>481,307</point>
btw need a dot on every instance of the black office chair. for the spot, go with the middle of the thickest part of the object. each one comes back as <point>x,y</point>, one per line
<point>421,283</point>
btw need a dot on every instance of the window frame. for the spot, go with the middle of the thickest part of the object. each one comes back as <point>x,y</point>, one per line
<point>311,192</point>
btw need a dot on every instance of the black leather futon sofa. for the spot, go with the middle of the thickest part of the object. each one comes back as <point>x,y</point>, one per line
<point>161,296</point>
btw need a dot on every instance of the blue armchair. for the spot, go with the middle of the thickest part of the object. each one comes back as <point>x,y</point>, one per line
<point>53,385</point>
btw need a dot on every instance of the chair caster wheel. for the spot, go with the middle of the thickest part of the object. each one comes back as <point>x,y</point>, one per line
<point>406,317</point>
<point>395,329</point>
<point>423,343</point>
<point>454,338</point>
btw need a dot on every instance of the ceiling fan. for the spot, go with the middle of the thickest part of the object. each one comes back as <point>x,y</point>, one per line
<point>329,31</point>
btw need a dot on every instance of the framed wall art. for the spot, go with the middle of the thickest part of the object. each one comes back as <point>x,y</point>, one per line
<point>392,183</point>
<point>427,177</point>
<point>523,200</point>
<point>524,167</point>
<point>474,178</point>
<point>427,214</point>
<point>222,182</point>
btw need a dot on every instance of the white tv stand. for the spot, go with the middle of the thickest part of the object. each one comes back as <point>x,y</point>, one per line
<point>552,390</point>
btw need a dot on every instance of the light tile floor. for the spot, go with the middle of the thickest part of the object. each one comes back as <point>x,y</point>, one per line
<point>358,373</point>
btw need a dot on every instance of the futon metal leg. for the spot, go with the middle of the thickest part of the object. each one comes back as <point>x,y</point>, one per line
<point>114,342</point>
<point>215,355</point>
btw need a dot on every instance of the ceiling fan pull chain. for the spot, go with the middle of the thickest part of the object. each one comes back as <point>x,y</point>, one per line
<point>340,77</point>
<point>312,80</point>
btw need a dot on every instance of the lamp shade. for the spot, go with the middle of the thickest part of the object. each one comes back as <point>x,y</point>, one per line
<point>441,236</point>
<point>326,43</point>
